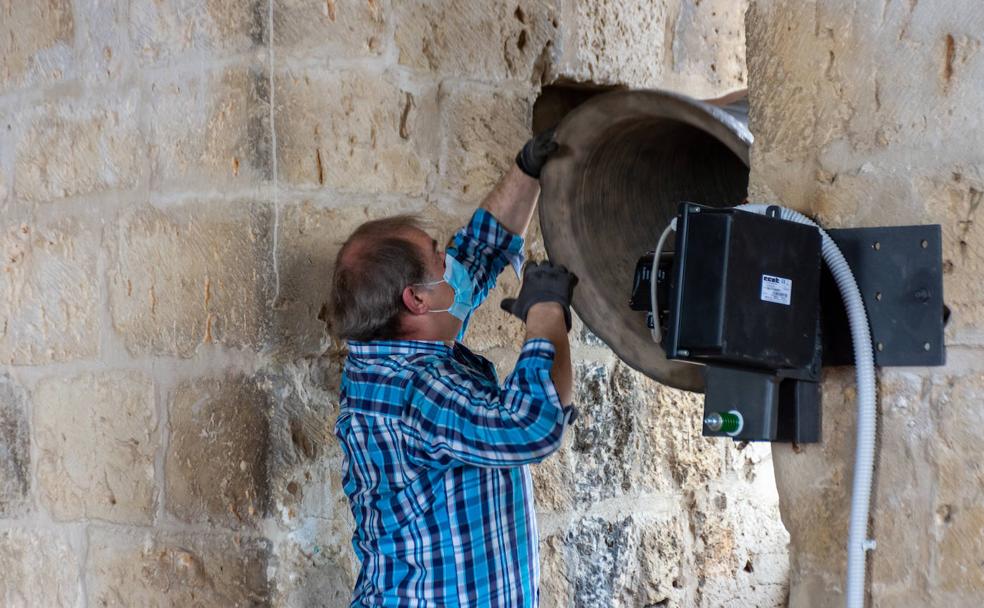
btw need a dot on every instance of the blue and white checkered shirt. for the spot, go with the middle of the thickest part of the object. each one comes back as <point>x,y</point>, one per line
<point>437,454</point>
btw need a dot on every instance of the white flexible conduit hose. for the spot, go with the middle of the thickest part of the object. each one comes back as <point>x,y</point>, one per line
<point>653,304</point>
<point>864,361</point>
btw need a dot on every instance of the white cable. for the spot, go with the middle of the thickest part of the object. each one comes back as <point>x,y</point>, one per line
<point>656,332</point>
<point>864,454</point>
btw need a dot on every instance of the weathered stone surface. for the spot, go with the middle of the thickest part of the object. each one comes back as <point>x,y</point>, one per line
<point>310,238</point>
<point>953,200</point>
<point>35,42</point>
<point>5,202</point>
<point>97,438</point>
<point>304,467</point>
<point>210,129</point>
<point>129,567</point>
<point>491,327</point>
<point>490,42</point>
<point>904,509</point>
<point>740,551</point>
<point>315,28</point>
<point>191,275</point>
<point>77,147</point>
<point>706,46</point>
<point>483,131</point>
<point>48,298</point>
<point>355,131</point>
<point>102,43</point>
<point>632,436</point>
<point>627,561</point>
<point>815,496</point>
<point>170,29</point>
<point>686,45</point>
<point>40,568</point>
<point>15,449</point>
<point>613,42</point>
<point>322,578</point>
<point>958,516</point>
<point>215,467</point>
<point>314,564</point>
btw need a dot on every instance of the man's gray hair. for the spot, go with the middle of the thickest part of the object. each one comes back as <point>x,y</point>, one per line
<point>373,267</point>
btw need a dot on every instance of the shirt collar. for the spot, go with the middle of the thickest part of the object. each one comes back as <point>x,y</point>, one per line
<point>382,348</point>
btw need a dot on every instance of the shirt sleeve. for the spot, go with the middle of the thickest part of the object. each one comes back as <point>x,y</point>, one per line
<point>453,418</point>
<point>484,247</point>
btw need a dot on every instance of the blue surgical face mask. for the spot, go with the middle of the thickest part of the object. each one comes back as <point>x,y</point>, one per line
<point>456,275</point>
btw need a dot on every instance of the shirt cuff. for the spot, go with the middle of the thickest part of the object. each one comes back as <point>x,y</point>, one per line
<point>486,229</point>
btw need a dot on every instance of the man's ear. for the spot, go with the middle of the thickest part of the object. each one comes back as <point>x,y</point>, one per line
<point>413,303</point>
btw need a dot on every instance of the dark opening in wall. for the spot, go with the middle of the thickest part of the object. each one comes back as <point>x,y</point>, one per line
<point>556,100</point>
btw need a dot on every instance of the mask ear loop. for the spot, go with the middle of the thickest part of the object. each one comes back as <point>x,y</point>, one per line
<point>431,284</point>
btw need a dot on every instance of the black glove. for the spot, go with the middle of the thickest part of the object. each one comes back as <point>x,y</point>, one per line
<point>535,153</point>
<point>543,282</point>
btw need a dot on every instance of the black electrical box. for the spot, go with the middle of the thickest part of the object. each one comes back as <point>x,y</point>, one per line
<point>745,290</point>
<point>743,294</point>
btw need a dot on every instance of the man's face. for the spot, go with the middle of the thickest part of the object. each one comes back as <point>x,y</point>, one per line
<point>440,296</point>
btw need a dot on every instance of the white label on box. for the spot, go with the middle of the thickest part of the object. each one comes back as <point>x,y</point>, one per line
<point>776,289</point>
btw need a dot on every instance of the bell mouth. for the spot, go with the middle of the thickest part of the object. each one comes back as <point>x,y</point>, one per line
<point>625,162</point>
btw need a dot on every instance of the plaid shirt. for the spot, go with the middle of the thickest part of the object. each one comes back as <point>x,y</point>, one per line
<point>437,454</point>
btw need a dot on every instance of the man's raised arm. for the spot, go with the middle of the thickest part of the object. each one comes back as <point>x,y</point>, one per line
<point>513,199</point>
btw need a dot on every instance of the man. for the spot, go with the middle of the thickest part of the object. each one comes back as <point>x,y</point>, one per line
<point>436,450</point>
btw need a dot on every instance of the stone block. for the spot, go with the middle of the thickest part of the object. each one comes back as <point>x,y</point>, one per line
<point>73,147</point>
<point>216,464</point>
<point>616,43</point>
<point>605,437</point>
<point>15,449</point>
<point>705,46</point>
<point>330,29</point>
<point>310,238</point>
<point>556,585</point>
<point>210,129</point>
<point>962,553</point>
<point>626,561</point>
<point>483,131</point>
<point>190,275</point>
<point>954,201</point>
<point>315,565</point>
<point>169,29</point>
<point>681,45</point>
<point>36,40</point>
<point>97,438</point>
<point>669,425</point>
<point>102,41</point>
<point>304,467</point>
<point>955,404</point>
<point>491,327</point>
<point>40,568</point>
<point>903,506</point>
<point>740,549</point>
<point>632,436</point>
<point>354,131</point>
<point>48,295</point>
<point>486,41</point>
<point>132,567</point>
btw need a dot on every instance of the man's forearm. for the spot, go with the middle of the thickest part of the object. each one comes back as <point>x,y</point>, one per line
<point>546,320</point>
<point>513,200</point>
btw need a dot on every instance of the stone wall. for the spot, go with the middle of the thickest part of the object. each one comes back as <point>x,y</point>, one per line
<point>175,179</point>
<point>867,114</point>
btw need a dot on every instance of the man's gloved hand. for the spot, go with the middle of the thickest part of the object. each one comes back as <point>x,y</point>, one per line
<point>543,282</point>
<point>535,153</point>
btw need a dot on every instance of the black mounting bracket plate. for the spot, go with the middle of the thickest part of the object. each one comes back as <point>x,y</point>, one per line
<point>899,270</point>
